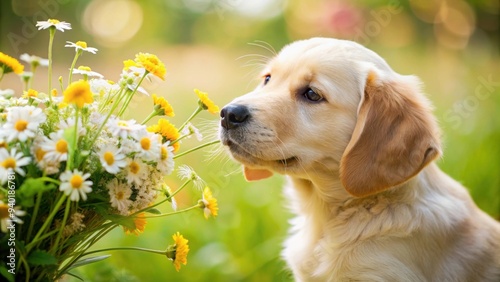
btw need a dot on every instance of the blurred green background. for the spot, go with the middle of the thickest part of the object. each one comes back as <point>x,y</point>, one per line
<point>452,45</point>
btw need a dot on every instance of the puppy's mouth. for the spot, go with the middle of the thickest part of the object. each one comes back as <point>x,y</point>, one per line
<point>246,157</point>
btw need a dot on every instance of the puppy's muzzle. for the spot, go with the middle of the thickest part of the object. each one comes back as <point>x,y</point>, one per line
<point>233,116</point>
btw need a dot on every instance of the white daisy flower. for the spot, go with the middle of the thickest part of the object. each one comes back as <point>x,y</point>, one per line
<point>190,129</point>
<point>103,86</point>
<point>34,60</point>
<point>12,162</point>
<point>53,23</point>
<point>135,171</point>
<point>112,159</point>
<point>86,71</point>
<point>56,147</point>
<point>166,163</point>
<point>75,184</point>
<point>5,216</point>
<point>119,194</point>
<point>149,146</point>
<point>7,93</point>
<point>81,45</point>
<point>22,123</point>
<point>49,167</point>
<point>124,128</point>
<point>186,172</point>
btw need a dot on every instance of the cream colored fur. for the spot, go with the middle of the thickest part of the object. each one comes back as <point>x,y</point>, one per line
<point>370,203</point>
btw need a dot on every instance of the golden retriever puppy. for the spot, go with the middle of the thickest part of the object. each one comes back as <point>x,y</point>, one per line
<point>357,142</point>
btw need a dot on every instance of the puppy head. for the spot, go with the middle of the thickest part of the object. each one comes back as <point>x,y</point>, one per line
<point>332,105</point>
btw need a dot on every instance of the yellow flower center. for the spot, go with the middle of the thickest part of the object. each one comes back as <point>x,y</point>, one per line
<point>82,44</point>
<point>109,158</point>
<point>32,93</point>
<point>120,195</point>
<point>76,181</point>
<point>122,123</point>
<point>146,143</point>
<point>9,163</point>
<point>21,125</point>
<point>54,92</point>
<point>164,153</point>
<point>62,146</point>
<point>134,167</point>
<point>84,68</point>
<point>3,144</point>
<point>39,154</point>
<point>53,21</point>
<point>4,211</point>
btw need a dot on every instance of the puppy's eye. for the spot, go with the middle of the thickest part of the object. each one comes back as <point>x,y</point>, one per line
<point>267,78</point>
<point>310,95</point>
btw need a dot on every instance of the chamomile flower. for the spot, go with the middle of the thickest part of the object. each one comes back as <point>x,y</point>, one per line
<point>119,194</point>
<point>178,251</point>
<point>206,103</point>
<point>135,171</point>
<point>81,45</point>
<point>86,71</point>
<point>55,147</point>
<point>112,160</point>
<point>148,146</point>
<point>131,80</point>
<point>139,225</point>
<point>5,216</point>
<point>48,166</point>
<point>75,184</point>
<point>209,204</point>
<point>53,23</point>
<point>151,63</point>
<point>34,61</point>
<point>78,93</point>
<point>22,123</point>
<point>9,64</point>
<point>191,130</point>
<point>186,172</point>
<point>166,163</point>
<point>6,93</point>
<point>125,128</point>
<point>10,162</point>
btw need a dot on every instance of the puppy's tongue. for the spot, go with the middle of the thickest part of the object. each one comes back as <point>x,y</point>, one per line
<point>253,174</point>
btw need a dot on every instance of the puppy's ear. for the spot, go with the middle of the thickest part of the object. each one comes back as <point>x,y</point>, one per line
<point>254,174</point>
<point>395,136</point>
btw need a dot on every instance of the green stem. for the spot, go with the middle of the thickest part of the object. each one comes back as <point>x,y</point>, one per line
<point>71,155</point>
<point>46,223</point>
<point>197,148</point>
<point>3,73</point>
<point>63,224</point>
<point>33,69</point>
<point>52,31</point>
<point>166,199</point>
<point>148,118</point>
<point>77,54</point>
<point>125,105</point>
<point>127,249</point>
<point>197,111</point>
<point>34,216</point>
<point>172,213</point>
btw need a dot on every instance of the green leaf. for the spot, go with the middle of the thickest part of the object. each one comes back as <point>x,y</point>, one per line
<point>74,275</point>
<point>30,187</point>
<point>86,261</point>
<point>41,258</point>
<point>5,273</point>
<point>69,136</point>
<point>153,211</point>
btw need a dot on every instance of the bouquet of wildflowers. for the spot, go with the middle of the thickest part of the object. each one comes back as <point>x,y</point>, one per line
<point>71,169</point>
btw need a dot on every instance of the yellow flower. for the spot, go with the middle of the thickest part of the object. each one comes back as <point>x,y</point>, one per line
<point>139,223</point>
<point>164,105</point>
<point>167,130</point>
<point>30,93</point>
<point>54,92</point>
<point>179,251</point>
<point>206,103</point>
<point>9,64</point>
<point>78,93</point>
<point>151,63</point>
<point>128,63</point>
<point>209,203</point>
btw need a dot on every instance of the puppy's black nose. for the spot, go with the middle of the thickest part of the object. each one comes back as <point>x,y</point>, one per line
<point>233,116</point>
